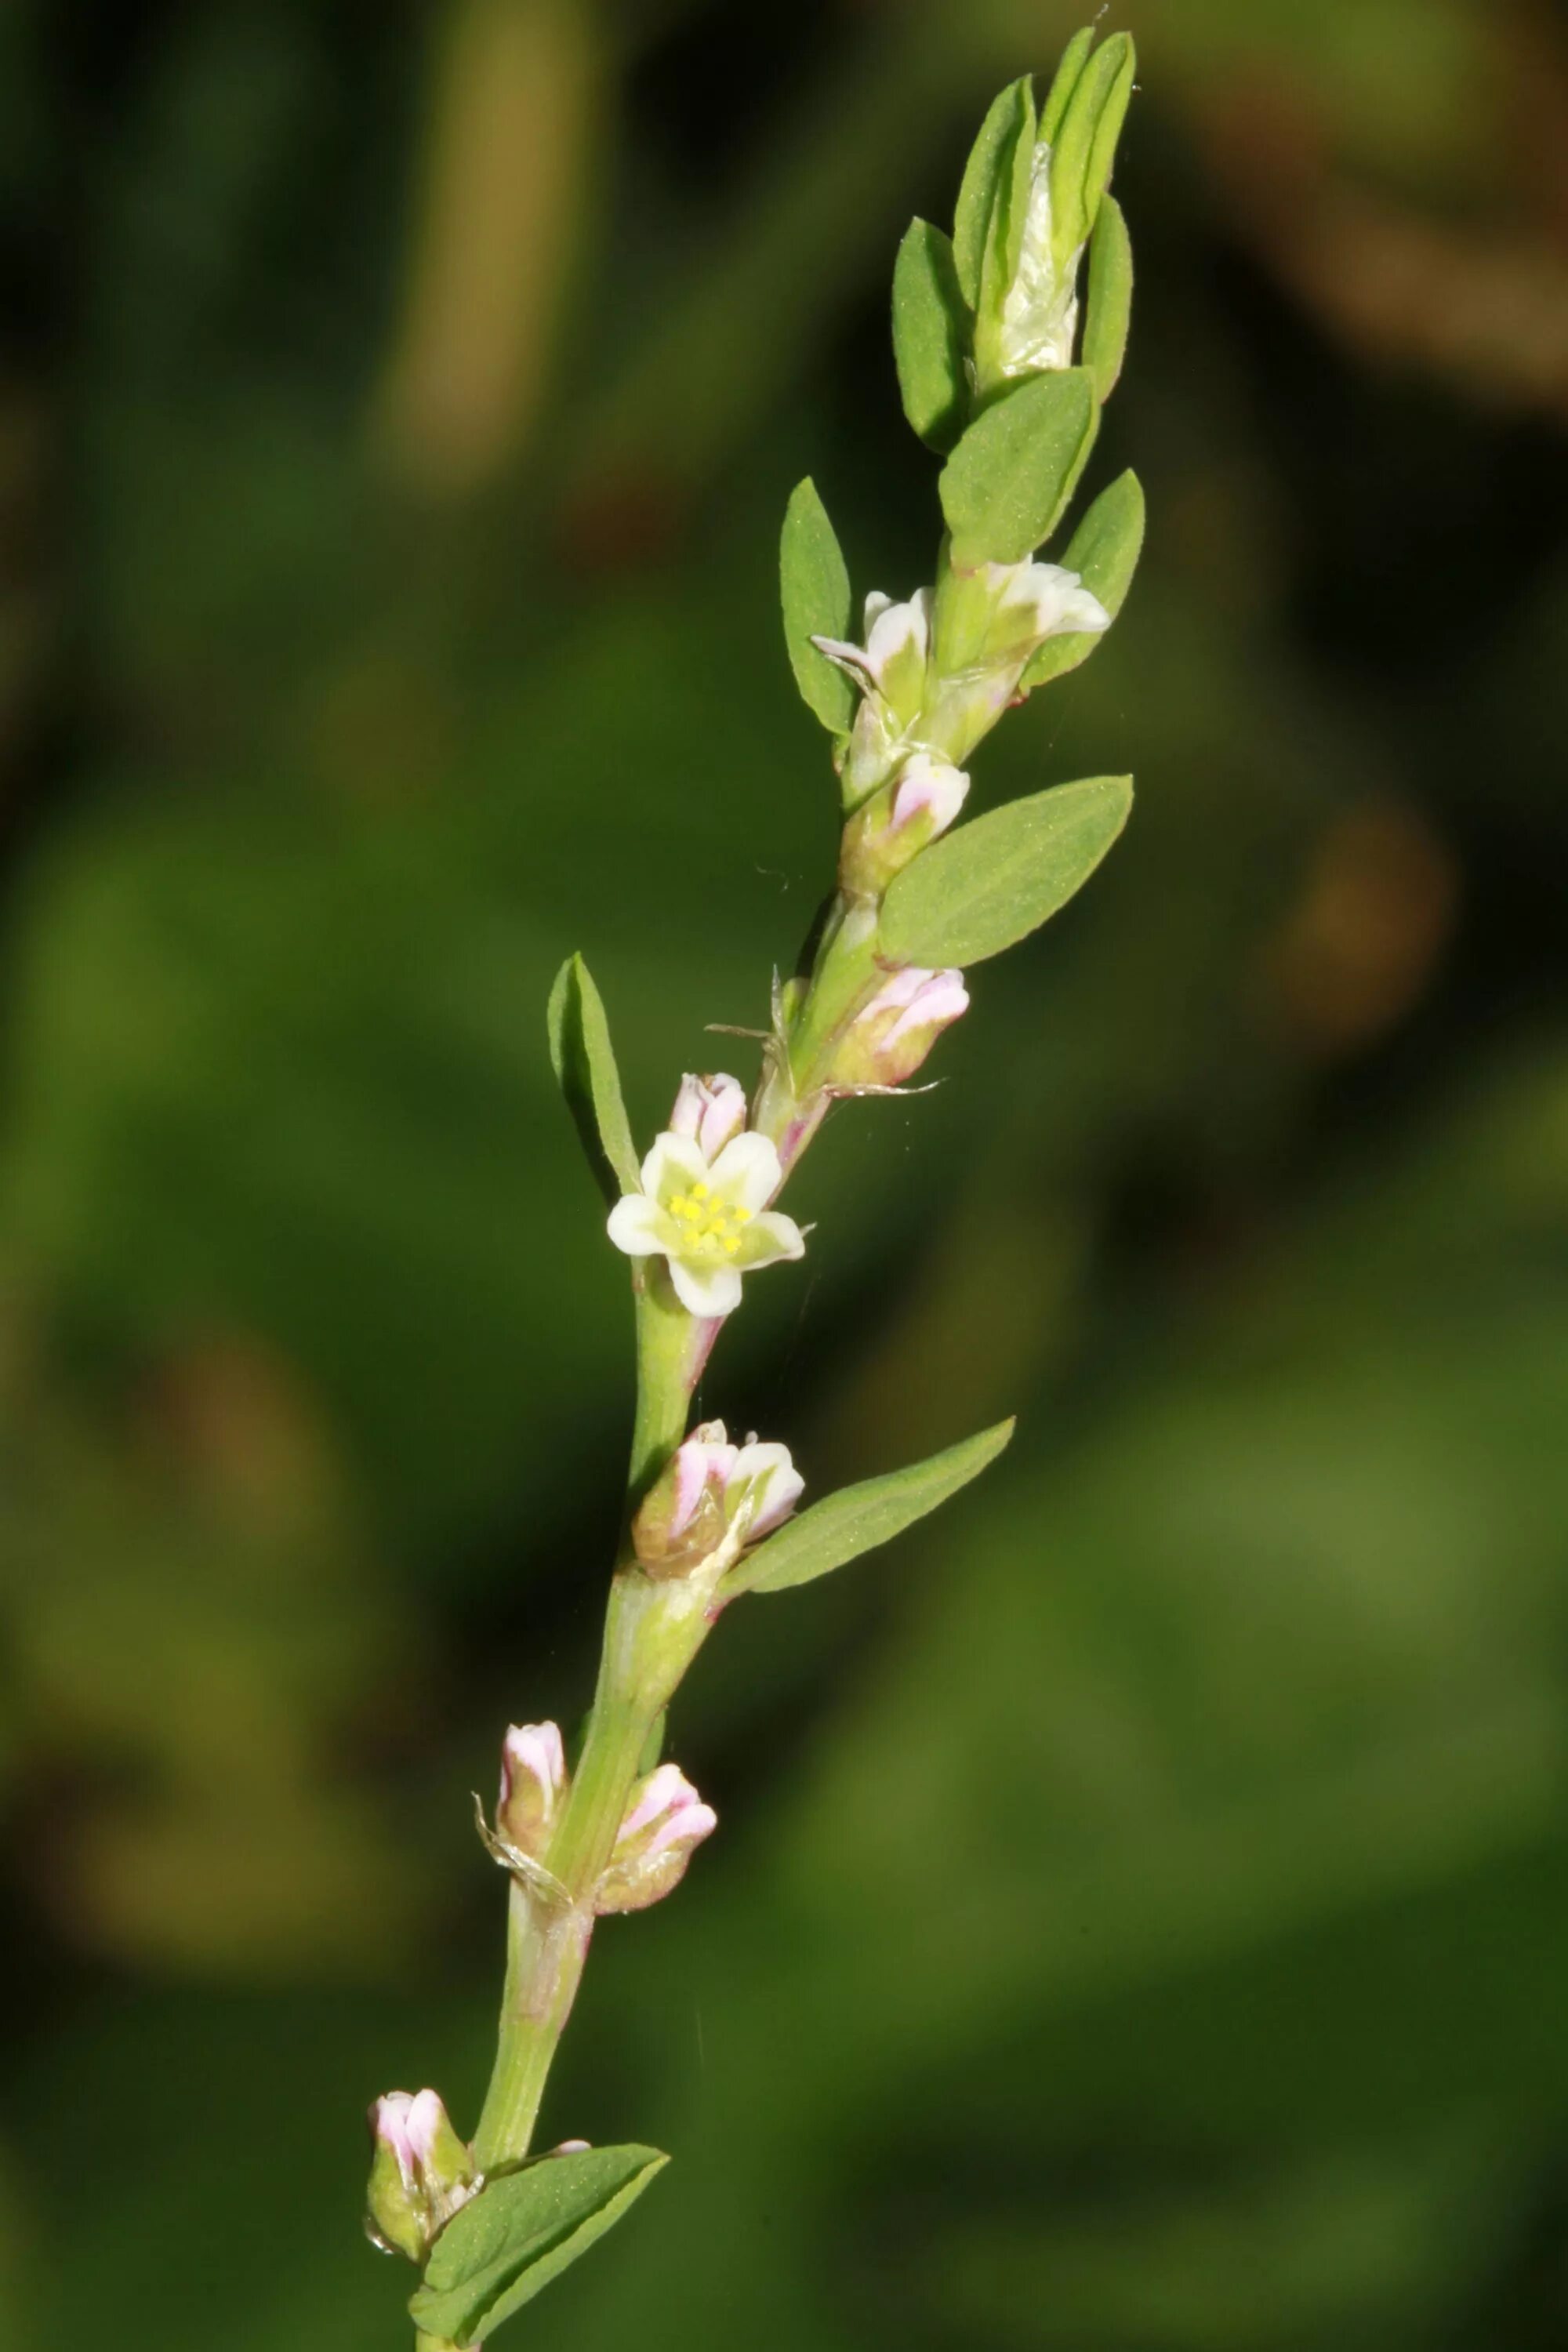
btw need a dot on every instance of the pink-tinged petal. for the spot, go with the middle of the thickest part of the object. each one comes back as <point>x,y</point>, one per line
<point>930,787</point>
<point>674,1165</point>
<point>689,1104</point>
<point>640,1227</point>
<point>664,1788</point>
<point>534,1750</point>
<point>687,1828</point>
<point>389,2124</point>
<point>692,1471</point>
<point>747,1173</point>
<point>942,1000</point>
<point>769,1238</point>
<point>705,1290</point>
<point>725,1115</point>
<point>426,2117</point>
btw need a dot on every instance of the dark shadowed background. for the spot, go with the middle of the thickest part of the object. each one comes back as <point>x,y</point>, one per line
<point>1140,1917</point>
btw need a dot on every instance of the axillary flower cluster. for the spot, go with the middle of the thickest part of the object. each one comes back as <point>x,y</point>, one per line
<point>1006,357</point>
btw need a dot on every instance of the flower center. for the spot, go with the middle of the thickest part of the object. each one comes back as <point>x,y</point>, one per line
<point>710,1226</point>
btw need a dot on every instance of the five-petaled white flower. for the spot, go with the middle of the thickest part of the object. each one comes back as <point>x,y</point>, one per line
<point>707,1218</point>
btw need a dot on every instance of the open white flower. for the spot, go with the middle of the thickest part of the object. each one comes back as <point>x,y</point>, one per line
<point>709,1219</point>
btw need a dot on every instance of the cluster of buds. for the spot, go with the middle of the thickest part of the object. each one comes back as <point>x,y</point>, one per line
<point>890,1038</point>
<point>420,2173</point>
<point>712,1494</point>
<point>666,1821</point>
<point>935,675</point>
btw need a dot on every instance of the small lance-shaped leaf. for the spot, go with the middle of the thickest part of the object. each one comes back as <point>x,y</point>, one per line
<point>521,2231</point>
<point>1005,228</point>
<point>1067,79</point>
<point>931,333</point>
<point>990,161</point>
<point>1104,551</point>
<point>990,884</point>
<point>1085,149</point>
<point>814,583</point>
<point>1110,308</point>
<point>1007,484</point>
<point>858,1519</point>
<point>585,1062</point>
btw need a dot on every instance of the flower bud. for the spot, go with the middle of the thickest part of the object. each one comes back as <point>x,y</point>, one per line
<point>698,1498</point>
<point>990,623</point>
<point>420,2173</point>
<point>532,1782</point>
<point>892,671</point>
<point>887,1042</point>
<point>665,1823</point>
<point>899,822</point>
<point>710,1111</point>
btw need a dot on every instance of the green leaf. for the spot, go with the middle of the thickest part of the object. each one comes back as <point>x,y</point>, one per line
<point>1066,82</point>
<point>991,160</point>
<point>990,884</point>
<point>1003,244</point>
<point>813,583</point>
<point>521,2231</point>
<point>585,1062</point>
<point>1109,312</point>
<point>1007,484</point>
<point>931,336</point>
<point>1104,551</point>
<point>858,1519</point>
<point>1084,147</point>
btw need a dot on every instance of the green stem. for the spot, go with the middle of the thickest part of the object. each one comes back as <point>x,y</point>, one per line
<point>652,1632</point>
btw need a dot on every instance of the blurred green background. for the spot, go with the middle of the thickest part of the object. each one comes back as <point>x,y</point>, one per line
<point>1141,1918</point>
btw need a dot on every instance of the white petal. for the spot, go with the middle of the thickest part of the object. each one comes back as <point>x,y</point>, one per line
<point>850,657</point>
<point>747,1172</point>
<point>769,1238</point>
<point>674,1165</point>
<point>876,605</point>
<point>639,1226</point>
<point>898,629</point>
<point>1082,610</point>
<point>776,1484</point>
<point>705,1290</point>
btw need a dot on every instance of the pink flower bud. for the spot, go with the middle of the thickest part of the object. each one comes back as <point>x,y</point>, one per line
<point>888,1042</point>
<point>532,1782</point>
<point>664,1824</point>
<point>681,1519</point>
<point>708,1112</point>
<point>699,1495</point>
<point>420,2172</point>
<point>899,822</point>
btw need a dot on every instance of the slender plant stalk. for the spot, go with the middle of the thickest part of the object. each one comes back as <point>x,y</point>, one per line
<point>986,326</point>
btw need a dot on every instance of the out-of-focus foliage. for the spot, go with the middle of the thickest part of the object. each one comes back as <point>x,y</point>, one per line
<point>1140,1918</point>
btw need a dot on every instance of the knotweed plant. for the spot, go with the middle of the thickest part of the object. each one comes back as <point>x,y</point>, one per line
<point>1009,337</point>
